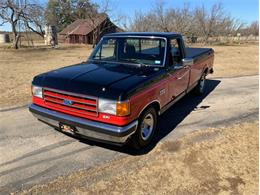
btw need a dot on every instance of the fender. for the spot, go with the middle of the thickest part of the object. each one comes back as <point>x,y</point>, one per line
<point>148,104</point>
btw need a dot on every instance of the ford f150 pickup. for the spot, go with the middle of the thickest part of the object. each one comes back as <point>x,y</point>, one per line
<point>117,95</point>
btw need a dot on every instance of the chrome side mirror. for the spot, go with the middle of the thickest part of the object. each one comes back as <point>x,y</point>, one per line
<point>187,61</point>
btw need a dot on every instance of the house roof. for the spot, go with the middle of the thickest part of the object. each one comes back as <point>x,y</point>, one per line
<point>83,26</point>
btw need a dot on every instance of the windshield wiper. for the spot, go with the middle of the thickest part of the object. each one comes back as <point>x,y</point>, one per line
<point>98,61</point>
<point>125,61</point>
<point>139,64</point>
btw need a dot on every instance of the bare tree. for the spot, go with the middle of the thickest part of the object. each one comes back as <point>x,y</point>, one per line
<point>181,20</point>
<point>199,21</point>
<point>95,18</point>
<point>254,28</point>
<point>214,22</point>
<point>19,14</point>
<point>99,20</point>
<point>160,16</point>
<point>143,22</point>
<point>11,12</point>
<point>208,22</point>
<point>155,20</point>
<point>249,30</point>
<point>34,19</point>
<point>164,20</point>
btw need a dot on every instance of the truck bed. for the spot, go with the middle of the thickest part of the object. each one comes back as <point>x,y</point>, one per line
<point>196,53</point>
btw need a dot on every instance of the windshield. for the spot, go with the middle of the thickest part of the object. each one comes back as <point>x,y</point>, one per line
<point>134,50</point>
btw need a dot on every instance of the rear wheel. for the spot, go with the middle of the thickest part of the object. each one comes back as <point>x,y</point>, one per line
<point>146,129</point>
<point>200,88</point>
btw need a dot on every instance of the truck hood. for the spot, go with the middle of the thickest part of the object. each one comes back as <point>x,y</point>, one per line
<point>106,80</point>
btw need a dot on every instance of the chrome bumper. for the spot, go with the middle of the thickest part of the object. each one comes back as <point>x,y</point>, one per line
<point>90,129</point>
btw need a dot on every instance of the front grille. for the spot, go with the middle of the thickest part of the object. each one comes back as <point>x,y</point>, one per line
<point>78,104</point>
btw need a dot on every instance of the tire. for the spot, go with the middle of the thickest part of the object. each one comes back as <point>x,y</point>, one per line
<point>145,130</point>
<point>200,87</point>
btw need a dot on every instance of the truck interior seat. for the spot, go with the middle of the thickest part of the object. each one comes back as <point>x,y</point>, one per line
<point>130,51</point>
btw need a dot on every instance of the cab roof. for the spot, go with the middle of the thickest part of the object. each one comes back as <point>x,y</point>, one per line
<point>148,34</point>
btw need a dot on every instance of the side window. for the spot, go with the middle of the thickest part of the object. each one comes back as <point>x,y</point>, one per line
<point>175,52</point>
<point>107,51</point>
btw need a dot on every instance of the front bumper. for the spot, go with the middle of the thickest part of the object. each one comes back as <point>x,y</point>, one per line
<point>87,128</point>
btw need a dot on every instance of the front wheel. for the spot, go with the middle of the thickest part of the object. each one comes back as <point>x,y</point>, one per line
<point>146,129</point>
<point>200,88</point>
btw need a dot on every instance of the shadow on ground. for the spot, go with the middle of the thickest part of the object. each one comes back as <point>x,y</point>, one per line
<point>168,121</point>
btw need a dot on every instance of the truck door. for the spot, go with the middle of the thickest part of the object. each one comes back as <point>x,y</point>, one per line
<point>179,74</point>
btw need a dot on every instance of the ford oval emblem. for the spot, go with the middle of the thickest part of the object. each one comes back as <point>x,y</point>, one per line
<point>67,102</point>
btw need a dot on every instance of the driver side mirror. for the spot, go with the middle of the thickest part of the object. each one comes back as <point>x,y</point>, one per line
<point>187,61</point>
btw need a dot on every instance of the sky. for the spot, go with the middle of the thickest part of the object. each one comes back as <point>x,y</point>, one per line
<point>244,10</point>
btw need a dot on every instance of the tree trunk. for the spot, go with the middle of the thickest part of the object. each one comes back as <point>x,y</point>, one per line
<point>16,40</point>
<point>94,39</point>
<point>16,37</point>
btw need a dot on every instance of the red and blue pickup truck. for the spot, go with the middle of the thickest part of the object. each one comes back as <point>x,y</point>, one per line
<point>117,95</point>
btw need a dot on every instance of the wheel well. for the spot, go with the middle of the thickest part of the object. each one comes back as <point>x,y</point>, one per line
<point>154,104</point>
<point>206,70</point>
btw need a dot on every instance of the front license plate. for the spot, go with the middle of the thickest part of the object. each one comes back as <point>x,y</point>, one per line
<point>67,128</point>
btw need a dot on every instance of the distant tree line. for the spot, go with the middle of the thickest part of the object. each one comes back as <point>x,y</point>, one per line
<point>201,21</point>
<point>192,22</point>
<point>252,29</point>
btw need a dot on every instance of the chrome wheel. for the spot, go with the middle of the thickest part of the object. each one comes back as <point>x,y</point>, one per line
<point>146,129</point>
<point>147,126</point>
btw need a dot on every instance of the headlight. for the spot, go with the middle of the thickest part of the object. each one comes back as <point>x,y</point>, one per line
<point>114,107</point>
<point>107,106</point>
<point>37,91</point>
